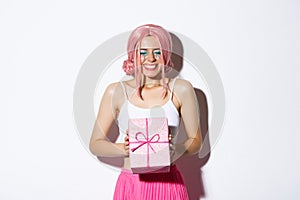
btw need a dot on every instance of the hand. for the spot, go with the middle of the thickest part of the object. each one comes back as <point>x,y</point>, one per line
<point>126,143</point>
<point>170,139</point>
<point>172,148</point>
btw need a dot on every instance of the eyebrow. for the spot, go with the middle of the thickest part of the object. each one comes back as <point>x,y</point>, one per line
<point>145,49</point>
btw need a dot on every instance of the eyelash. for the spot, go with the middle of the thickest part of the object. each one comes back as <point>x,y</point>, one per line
<point>157,52</point>
<point>144,53</point>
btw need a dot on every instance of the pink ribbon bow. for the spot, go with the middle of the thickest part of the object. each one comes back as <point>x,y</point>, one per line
<point>146,141</point>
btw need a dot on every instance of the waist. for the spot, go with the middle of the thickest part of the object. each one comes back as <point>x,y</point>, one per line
<point>173,168</point>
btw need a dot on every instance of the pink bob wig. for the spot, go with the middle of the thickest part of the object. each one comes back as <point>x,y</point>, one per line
<point>132,65</point>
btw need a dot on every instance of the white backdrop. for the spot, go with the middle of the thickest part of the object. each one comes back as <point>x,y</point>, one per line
<point>254,45</point>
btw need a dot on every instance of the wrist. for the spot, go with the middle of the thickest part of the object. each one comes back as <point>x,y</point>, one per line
<point>122,148</point>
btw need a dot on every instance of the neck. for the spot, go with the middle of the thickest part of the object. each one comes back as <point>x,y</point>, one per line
<point>152,82</point>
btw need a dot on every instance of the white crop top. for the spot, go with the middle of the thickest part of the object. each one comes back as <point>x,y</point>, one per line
<point>130,111</point>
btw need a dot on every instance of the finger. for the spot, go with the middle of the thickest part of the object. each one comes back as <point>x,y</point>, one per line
<point>126,147</point>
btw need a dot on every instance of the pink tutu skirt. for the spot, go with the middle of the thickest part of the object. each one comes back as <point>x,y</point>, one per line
<point>155,186</point>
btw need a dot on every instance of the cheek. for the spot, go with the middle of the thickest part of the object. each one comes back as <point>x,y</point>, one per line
<point>160,61</point>
<point>142,59</point>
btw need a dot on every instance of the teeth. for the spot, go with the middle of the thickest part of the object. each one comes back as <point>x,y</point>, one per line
<point>150,66</point>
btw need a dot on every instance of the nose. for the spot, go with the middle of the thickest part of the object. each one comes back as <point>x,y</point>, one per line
<point>151,57</point>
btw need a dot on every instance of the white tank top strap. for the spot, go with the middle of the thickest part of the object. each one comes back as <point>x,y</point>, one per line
<point>124,90</point>
<point>172,88</point>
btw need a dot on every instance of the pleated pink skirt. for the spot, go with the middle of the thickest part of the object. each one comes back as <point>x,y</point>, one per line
<point>155,186</point>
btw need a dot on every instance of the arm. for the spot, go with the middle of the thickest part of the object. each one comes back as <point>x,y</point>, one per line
<point>186,97</point>
<point>99,144</point>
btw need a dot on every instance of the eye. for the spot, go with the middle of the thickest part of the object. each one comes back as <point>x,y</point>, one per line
<point>156,52</point>
<point>143,52</point>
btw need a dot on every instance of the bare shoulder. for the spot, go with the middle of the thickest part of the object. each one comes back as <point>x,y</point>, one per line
<point>114,94</point>
<point>112,88</point>
<point>183,91</point>
<point>183,86</point>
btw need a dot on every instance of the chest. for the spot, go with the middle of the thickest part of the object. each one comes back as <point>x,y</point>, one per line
<point>150,97</point>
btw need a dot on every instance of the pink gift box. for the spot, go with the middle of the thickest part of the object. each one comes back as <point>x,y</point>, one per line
<point>149,145</point>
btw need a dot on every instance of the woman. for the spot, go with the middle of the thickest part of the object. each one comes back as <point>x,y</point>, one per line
<point>150,93</point>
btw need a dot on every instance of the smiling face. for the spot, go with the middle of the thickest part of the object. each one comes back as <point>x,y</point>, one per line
<point>151,57</point>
